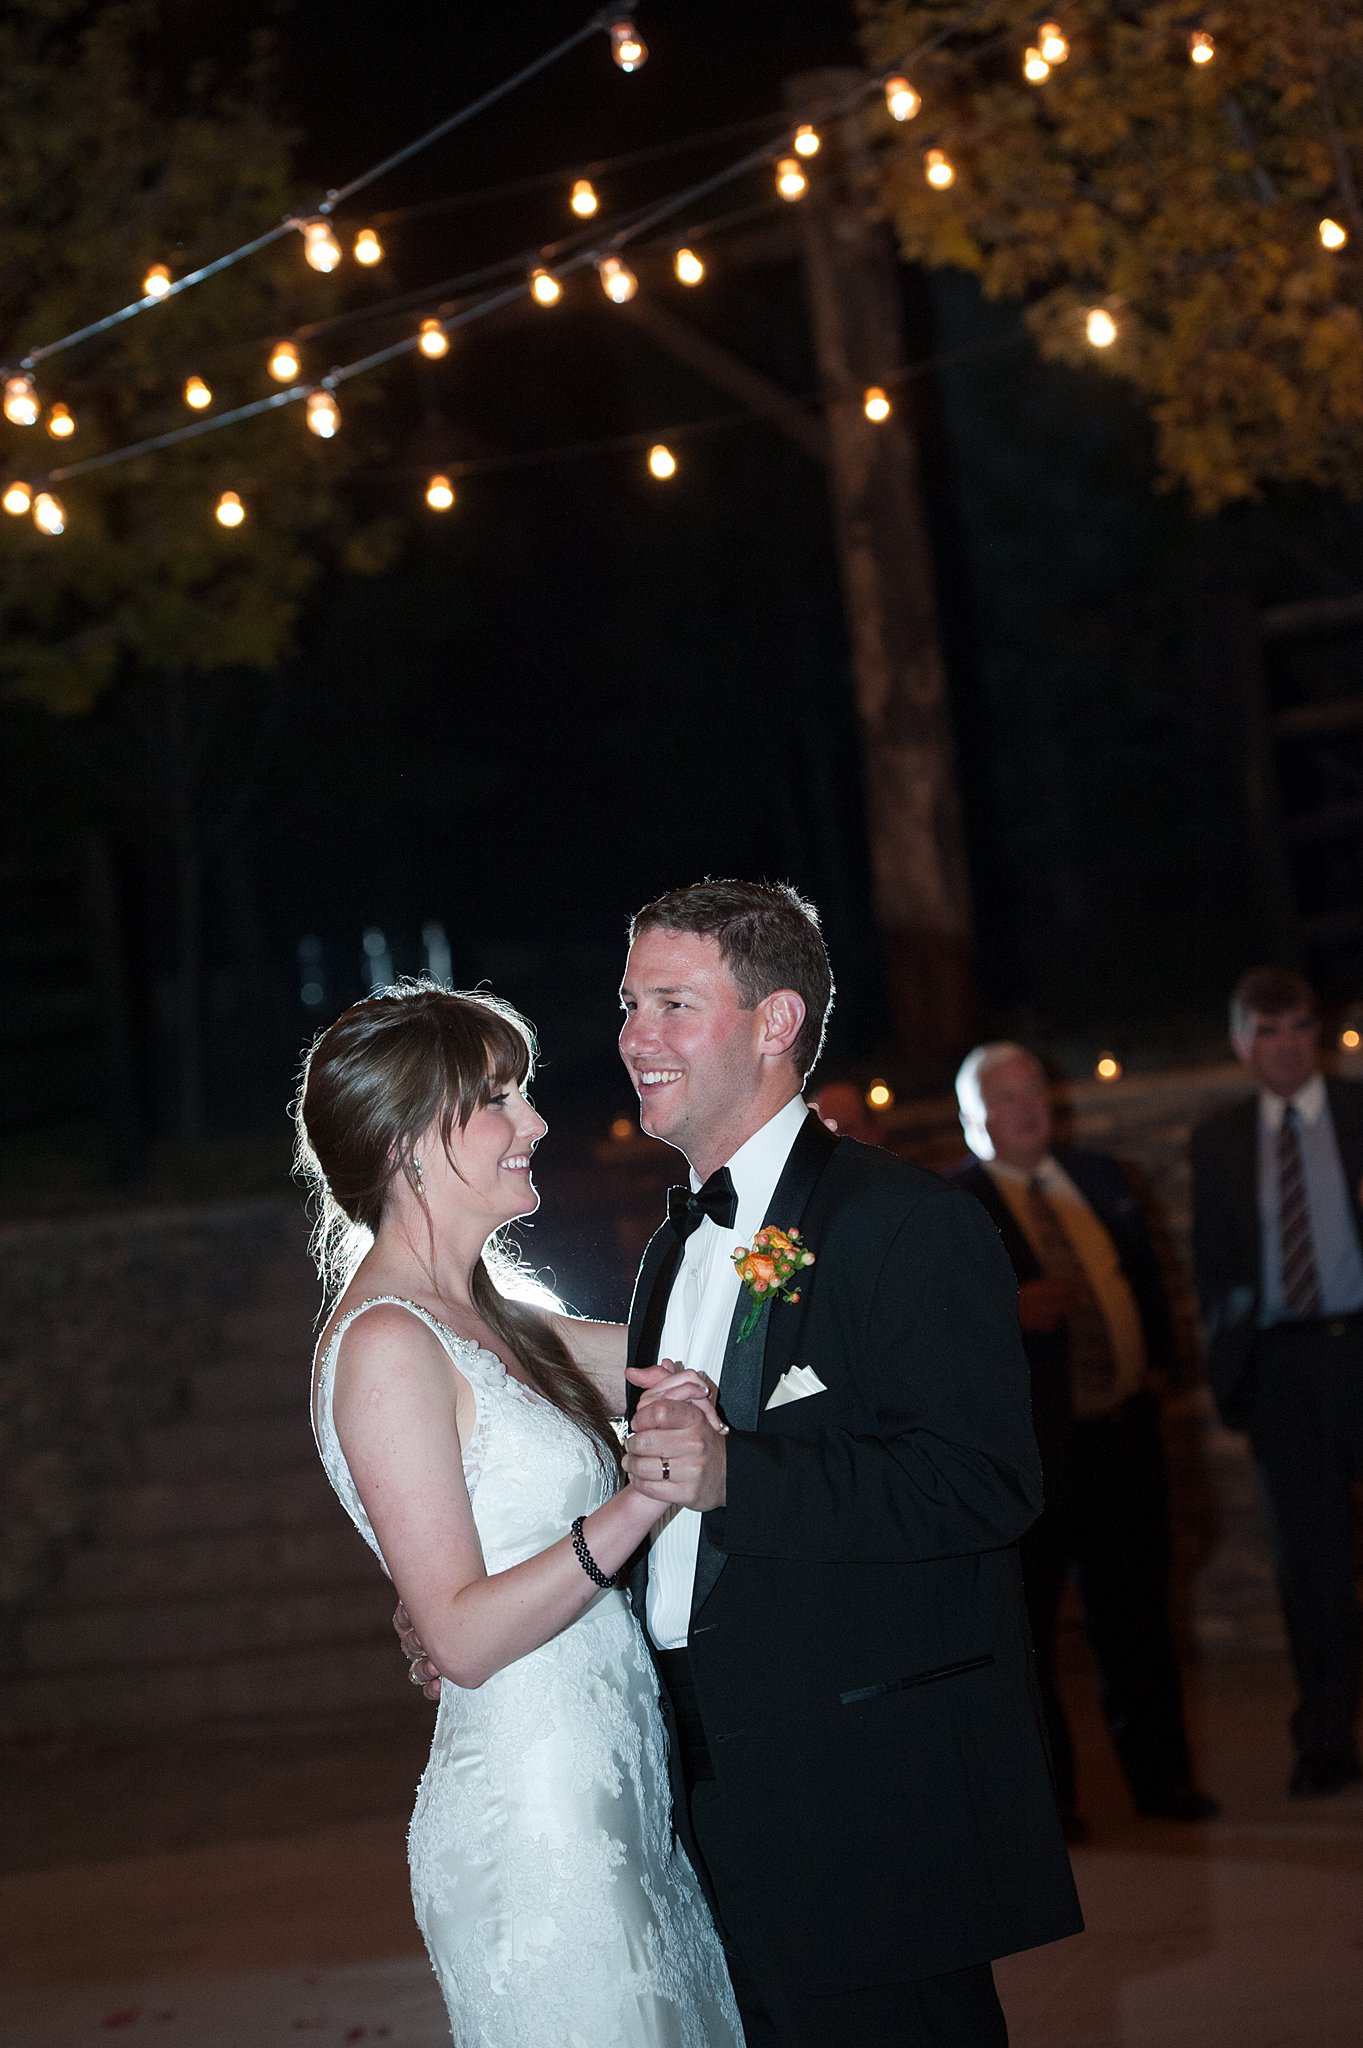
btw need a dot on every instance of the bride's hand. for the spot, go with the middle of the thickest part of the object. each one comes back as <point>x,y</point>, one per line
<point>668,1381</point>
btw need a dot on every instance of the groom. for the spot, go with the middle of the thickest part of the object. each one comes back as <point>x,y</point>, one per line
<point>835,1605</point>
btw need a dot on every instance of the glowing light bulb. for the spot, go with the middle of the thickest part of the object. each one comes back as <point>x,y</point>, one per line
<point>434,341</point>
<point>17,499</point>
<point>324,415</point>
<point>229,510</point>
<point>156,283</point>
<point>320,245</point>
<point>1035,67</point>
<point>584,201</point>
<point>284,363</point>
<point>49,514</point>
<point>875,404</point>
<point>901,99</point>
<point>440,494</point>
<point>545,288</point>
<point>622,1127</point>
<point>618,281</point>
<point>806,140</point>
<point>368,248</point>
<point>21,402</point>
<point>1332,233</point>
<point>197,394</point>
<point>60,424</point>
<point>1100,328</point>
<point>662,462</point>
<point>791,181</point>
<point>1109,1067</point>
<point>688,266</point>
<point>879,1095</point>
<point>1349,1039</point>
<point>938,169</point>
<point>1201,48</point>
<point>1051,42</point>
<point>627,46</point>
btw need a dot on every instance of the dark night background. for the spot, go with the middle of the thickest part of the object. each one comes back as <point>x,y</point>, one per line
<point>580,687</point>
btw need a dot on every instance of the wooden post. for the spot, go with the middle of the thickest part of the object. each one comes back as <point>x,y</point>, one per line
<point>918,855</point>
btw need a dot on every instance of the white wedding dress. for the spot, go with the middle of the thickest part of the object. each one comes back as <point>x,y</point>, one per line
<point>557,1909</point>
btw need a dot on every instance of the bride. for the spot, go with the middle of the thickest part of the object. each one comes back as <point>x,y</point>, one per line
<point>468,1436</point>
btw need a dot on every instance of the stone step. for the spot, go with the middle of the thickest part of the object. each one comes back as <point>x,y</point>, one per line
<point>238,1444</point>
<point>327,1553</point>
<point>338,1678</point>
<point>167,1632</point>
<point>194,1504</point>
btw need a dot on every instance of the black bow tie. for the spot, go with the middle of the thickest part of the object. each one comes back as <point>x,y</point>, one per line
<point>718,1199</point>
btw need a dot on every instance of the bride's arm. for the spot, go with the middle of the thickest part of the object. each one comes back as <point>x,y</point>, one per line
<point>394,1407</point>
<point>599,1348</point>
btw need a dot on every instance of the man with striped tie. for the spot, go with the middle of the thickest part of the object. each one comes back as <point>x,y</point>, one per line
<point>1278,1253</point>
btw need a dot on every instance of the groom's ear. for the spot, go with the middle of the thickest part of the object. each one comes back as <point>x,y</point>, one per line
<point>782,1016</point>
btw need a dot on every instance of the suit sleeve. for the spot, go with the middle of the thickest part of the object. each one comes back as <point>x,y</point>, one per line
<point>949,1466</point>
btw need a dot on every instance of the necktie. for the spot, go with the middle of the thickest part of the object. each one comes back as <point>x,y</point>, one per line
<point>1092,1365</point>
<point>718,1198</point>
<point>1301,1285</point>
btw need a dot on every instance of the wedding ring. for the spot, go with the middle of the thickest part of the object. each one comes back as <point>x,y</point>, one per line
<point>667,1470</point>
<point>414,1675</point>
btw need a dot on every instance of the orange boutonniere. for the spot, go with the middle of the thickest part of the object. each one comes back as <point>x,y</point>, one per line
<point>766,1267</point>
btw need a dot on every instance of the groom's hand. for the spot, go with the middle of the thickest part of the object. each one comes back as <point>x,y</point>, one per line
<point>676,1451</point>
<point>420,1669</point>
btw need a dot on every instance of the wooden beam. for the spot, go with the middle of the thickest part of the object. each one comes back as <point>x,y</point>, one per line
<point>1312,615</point>
<point>710,359</point>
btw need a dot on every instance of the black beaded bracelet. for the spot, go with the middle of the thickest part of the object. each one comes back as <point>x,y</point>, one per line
<point>585,1558</point>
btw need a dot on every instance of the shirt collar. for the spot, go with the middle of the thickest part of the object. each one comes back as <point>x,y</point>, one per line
<point>756,1166</point>
<point>1046,1169</point>
<point>1309,1103</point>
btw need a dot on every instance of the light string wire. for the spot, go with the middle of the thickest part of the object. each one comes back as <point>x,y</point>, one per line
<point>327,205</point>
<point>597,248</point>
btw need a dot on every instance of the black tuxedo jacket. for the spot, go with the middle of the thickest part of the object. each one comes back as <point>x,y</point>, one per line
<point>1227,1247</point>
<point>1105,1187</point>
<point>883,1807</point>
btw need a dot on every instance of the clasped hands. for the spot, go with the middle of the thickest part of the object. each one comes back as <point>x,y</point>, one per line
<point>675,1451</point>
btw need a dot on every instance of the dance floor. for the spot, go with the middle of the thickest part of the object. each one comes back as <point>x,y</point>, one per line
<point>251,1893</point>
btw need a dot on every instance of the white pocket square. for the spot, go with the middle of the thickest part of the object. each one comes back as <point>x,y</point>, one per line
<point>795,1385</point>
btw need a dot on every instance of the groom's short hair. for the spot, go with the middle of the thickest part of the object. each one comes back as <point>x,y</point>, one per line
<point>768,937</point>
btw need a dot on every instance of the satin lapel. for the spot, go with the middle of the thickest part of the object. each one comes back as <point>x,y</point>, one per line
<point>745,1373</point>
<point>649,1306</point>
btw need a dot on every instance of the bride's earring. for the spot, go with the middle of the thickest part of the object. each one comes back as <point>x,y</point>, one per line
<point>417,1181</point>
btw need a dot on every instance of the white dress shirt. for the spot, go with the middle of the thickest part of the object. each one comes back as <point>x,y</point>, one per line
<point>1097,1254</point>
<point>1334,1240</point>
<point>700,1309</point>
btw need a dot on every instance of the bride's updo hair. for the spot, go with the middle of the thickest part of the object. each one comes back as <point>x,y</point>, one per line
<point>373,1084</point>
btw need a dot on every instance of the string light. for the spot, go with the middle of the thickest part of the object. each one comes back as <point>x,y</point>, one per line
<point>49,514</point>
<point>197,394</point>
<point>229,510</point>
<point>434,341</point>
<point>622,1127</point>
<point>938,169</point>
<point>1332,234</point>
<point>1034,67</point>
<point>21,402</point>
<point>806,140</point>
<point>368,248</point>
<point>1109,1067</point>
<point>17,499</point>
<point>284,365</point>
<point>880,1095</point>
<point>324,415</point>
<point>60,423</point>
<point>627,46</point>
<point>1051,42</point>
<point>545,288</point>
<point>901,99</point>
<point>662,462</point>
<point>320,245</point>
<point>584,201</point>
<point>876,405</point>
<point>440,494</point>
<point>1349,1038</point>
<point>1100,328</point>
<point>156,283</point>
<point>791,181</point>
<point>688,266</point>
<point>618,281</point>
<point>1201,48</point>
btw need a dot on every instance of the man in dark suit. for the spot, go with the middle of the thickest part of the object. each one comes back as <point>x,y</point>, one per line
<point>836,1604</point>
<point>1097,1331</point>
<point>1278,1252</point>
